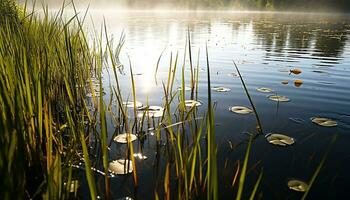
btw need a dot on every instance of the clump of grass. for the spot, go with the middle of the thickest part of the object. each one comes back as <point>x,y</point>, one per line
<point>44,64</point>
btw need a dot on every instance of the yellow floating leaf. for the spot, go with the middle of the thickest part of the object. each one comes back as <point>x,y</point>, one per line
<point>221,89</point>
<point>123,138</point>
<point>278,98</point>
<point>298,185</point>
<point>279,139</point>
<point>151,111</point>
<point>298,83</point>
<point>192,103</point>
<point>241,110</point>
<point>295,71</point>
<point>284,82</point>
<point>324,121</point>
<point>264,90</point>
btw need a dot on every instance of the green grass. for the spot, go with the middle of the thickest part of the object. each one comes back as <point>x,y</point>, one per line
<point>47,68</point>
<point>43,63</point>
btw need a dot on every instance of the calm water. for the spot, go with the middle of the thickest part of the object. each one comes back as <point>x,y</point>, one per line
<point>265,46</point>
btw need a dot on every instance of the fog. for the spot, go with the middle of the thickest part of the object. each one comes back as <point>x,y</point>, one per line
<point>231,5</point>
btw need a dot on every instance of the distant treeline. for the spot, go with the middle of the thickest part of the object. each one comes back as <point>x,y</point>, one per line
<point>305,5</point>
<point>273,5</point>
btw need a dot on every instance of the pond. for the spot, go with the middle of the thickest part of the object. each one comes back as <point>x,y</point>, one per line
<point>304,57</point>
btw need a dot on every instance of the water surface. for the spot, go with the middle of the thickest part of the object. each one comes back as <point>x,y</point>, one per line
<point>265,47</point>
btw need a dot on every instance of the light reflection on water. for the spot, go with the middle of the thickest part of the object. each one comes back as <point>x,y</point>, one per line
<point>265,46</point>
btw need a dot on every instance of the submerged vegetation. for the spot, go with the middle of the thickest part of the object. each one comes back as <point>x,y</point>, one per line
<point>55,120</point>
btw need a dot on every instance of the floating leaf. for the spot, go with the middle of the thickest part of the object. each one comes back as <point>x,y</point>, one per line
<point>324,121</point>
<point>241,110</point>
<point>279,139</point>
<point>123,138</point>
<point>120,166</point>
<point>278,98</point>
<point>192,103</point>
<point>284,82</point>
<point>221,89</point>
<point>298,185</point>
<point>151,111</point>
<point>298,83</point>
<point>295,71</point>
<point>130,104</point>
<point>264,90</point>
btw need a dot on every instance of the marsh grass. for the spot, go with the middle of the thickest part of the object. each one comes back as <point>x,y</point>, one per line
<point>44,63</point>
<point>49,125</point>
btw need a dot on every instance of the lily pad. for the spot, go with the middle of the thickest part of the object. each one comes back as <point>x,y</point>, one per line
<point>120,166</point>
<point>151,111</point>
<point>285,82</point>
<point>278,98</point>
<point>298,185</point>
<point>295,71</point>
<point>123,138</point>
<point>130,104</point>
<point>241,110</point>
<point>279,139</point>
<point>324,121</point>
<point>192,103</point>
<point>221,89</point>
<point>298,83</point>
<point>264,90</point>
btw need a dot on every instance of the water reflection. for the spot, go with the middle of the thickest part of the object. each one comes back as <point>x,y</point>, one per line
<point>279,37</point>
<point>266,47</point>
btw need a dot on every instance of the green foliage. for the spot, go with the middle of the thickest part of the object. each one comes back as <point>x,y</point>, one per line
<point>43,63</point>
<point>8,11</point>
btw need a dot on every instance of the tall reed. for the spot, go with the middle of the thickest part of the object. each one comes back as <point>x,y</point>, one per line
<point>47,71</point>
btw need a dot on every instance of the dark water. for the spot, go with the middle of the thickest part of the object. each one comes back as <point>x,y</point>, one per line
<point>265,47</point>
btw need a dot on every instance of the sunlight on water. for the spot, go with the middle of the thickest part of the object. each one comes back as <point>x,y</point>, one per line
<point>268,48</point>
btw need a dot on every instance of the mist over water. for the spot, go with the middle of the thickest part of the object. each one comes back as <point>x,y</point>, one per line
<point>228,5</point>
